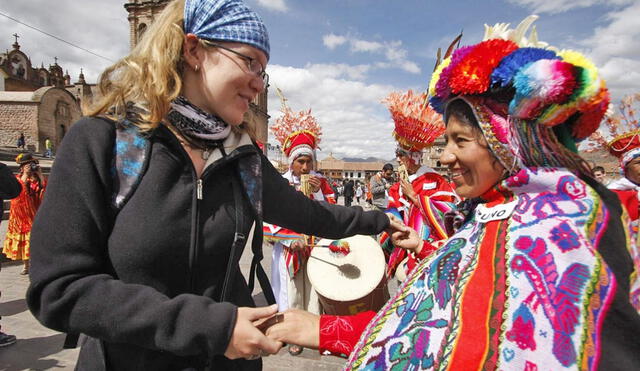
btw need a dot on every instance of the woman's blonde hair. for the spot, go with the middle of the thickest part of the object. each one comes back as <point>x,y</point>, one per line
<point>149,77</point>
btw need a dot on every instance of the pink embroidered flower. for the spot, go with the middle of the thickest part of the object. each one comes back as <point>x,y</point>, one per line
<point>564,237</point>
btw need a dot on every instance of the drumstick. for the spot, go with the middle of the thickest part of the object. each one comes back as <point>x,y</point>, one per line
<point>324,261</point>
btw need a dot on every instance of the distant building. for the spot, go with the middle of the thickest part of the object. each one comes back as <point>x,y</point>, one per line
<point>338,169</point>
<point>432,155</point>
<point>39,102</point>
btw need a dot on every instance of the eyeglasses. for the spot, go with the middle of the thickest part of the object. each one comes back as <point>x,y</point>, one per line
<point>254,65</point>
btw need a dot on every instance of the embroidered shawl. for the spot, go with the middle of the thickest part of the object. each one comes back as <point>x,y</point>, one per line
<point>522,292</point>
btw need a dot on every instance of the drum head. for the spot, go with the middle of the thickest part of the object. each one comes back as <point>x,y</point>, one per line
<point>360,271</point>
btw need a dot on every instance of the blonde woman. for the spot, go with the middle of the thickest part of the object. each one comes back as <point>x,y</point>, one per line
<point>145,281</point>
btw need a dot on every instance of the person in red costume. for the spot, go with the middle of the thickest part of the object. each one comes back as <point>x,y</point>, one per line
<point>422,197</point>
<point>625,145</point>
<point>299,135</point>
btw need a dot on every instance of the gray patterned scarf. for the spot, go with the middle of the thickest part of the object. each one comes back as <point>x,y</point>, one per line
<point>197,126</point>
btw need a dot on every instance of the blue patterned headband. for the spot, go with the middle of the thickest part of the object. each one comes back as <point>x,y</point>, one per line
<point>225,20</point>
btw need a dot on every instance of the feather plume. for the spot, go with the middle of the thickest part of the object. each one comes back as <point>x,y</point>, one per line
<point>417,125</point>
<point>291,123</point>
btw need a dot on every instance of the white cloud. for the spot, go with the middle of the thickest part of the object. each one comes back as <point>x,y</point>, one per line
<point>615,49</point>
<point>277,5</point>
<point>331,41</point>
<point>365,46</point>
<point>109,38</point>
<point>339,70</point>
<point>396,56</point>
<point>559,6</point>
<point>354,122</point>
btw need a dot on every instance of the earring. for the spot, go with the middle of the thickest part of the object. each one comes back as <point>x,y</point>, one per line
<point>196,68</point>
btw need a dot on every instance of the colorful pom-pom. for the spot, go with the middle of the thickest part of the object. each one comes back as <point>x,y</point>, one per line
<point>503,75</point>
<point>592,115</point>
<point>473,74</point>
<point>540,84</point>
<point>443,90</point>
<point>589,76</point>
<point>436,75</point>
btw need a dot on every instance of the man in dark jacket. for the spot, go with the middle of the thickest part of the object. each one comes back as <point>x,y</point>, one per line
<point>9,188</point>
<point>348,192</point>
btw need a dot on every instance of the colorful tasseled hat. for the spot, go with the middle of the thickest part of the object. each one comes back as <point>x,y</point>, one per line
<point>298,133</point>
<point>417,125</point>
<point>620,132</point>
<point>537,83</point>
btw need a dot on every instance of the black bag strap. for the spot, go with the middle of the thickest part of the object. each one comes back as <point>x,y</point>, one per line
<point>239,241</point>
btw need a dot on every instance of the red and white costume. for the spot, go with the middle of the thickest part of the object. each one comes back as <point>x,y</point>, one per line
<point>299,135</point>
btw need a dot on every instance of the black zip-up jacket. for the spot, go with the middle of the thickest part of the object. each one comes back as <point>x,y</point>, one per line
<point>145,282</point>
<point>9,186</point>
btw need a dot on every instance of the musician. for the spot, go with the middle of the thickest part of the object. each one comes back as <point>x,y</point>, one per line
<point>299,135</point>
<point>422,196</point>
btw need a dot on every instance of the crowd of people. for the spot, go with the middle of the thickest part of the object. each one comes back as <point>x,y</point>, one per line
<point>522,258</point>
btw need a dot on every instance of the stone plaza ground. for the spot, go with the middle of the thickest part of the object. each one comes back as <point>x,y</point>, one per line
<point>39,348</point>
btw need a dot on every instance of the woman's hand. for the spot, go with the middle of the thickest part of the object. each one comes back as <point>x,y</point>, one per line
<point>408,240</point>
<point>247,341</point>
<point>299,327</point>
<point>314,182</point>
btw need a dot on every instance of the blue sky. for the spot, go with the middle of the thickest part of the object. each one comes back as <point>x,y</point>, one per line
<point>341,57</point>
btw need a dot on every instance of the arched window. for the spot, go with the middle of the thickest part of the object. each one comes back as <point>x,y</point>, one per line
<point>141,29</point>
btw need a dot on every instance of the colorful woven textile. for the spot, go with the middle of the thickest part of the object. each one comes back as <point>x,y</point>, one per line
<point>519,287</point>
<point>435,198</point>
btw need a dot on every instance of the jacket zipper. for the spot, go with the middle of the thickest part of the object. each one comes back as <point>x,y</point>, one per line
<point>199,189</point>
<point>195,232</point>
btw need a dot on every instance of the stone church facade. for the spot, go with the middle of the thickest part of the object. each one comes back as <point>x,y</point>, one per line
<point>39,102</point>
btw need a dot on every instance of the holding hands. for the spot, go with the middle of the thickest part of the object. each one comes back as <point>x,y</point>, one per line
<point>297,327</point>
<point>247,341</point>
